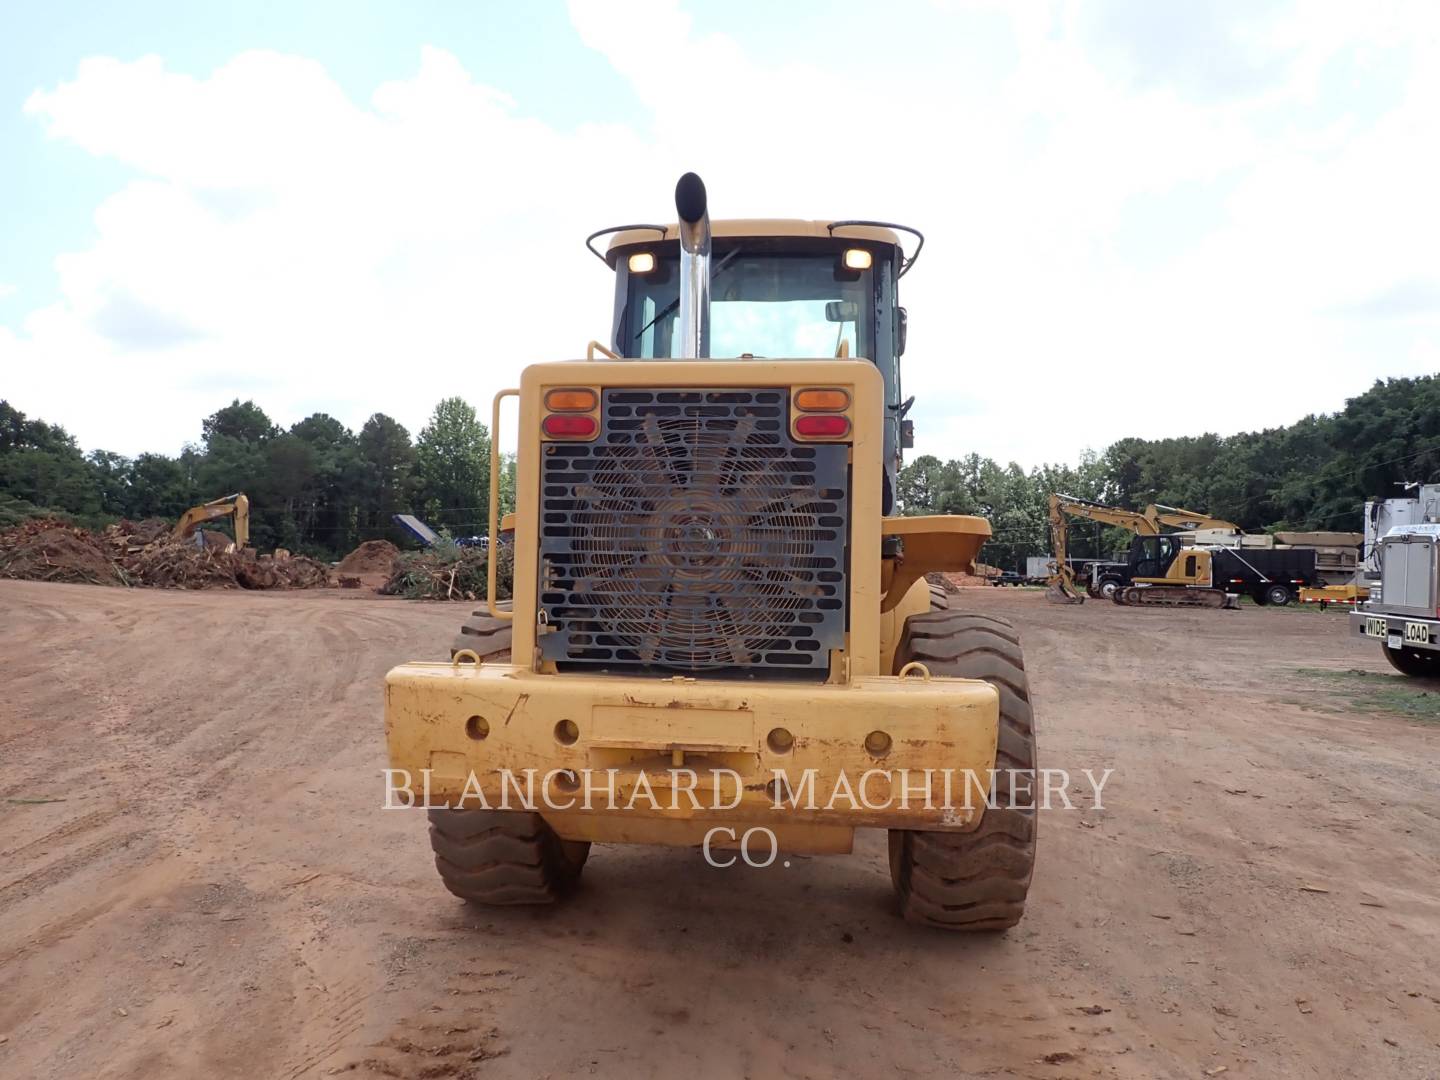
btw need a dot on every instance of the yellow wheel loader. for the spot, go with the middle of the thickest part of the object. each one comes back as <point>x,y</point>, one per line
<point>722,636</point>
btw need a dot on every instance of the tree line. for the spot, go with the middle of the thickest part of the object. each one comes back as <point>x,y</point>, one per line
<point>1314,474</point>
<point>319,488</point>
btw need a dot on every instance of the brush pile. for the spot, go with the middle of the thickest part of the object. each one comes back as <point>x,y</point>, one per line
<point>47,549</point>
<point>143,554</point>
<point>446,571</point>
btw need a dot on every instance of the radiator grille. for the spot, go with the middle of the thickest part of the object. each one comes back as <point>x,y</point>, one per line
<point>693,534</point>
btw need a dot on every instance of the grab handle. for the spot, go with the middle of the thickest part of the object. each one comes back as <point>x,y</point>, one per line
<point>493,544</point>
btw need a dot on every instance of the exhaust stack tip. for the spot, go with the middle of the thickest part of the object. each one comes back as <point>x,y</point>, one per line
<point>694,315</point>
<point>690,202</point>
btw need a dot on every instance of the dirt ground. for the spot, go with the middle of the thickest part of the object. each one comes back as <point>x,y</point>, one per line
<point>196,878</point>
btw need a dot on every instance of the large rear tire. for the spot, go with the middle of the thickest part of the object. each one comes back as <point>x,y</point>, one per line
<point>1417,663</point>
<point>976,880</point>
<point>504,857</point>
<point>939,598</point>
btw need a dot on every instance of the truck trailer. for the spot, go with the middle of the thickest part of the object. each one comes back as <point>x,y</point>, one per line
<point>1166,570</point>
<point>1403,615</point>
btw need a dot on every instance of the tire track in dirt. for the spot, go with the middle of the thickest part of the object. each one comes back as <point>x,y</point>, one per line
<point>266,919</point>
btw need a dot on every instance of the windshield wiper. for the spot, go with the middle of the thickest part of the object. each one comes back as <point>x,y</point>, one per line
<point>676,302</point>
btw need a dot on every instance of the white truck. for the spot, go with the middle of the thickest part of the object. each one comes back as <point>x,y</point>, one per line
<point>1405,616</point>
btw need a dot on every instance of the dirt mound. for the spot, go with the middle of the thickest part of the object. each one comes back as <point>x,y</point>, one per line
<point>953,583</point>
<point>943,580</point>
<point>371,557</point>
<point>964,581</point>
<point>49,550</point>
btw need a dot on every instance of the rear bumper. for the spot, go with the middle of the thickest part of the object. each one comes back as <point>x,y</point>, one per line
<point>583,750</point>
<point>1415,632</point>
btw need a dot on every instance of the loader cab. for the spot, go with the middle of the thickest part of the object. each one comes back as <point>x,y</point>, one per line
<point>779,289</point>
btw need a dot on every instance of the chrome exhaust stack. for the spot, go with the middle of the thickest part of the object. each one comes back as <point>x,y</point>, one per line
<point>694,316</point>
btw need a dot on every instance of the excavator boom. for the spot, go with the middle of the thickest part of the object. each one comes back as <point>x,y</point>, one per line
<point>237,505</point>
<point>1177,517</point>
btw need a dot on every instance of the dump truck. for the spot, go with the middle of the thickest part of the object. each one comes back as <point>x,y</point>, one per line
<point>1405,618</point>
<point>719,622</point>
<point>1166,571</point>
<point>1337,554</point>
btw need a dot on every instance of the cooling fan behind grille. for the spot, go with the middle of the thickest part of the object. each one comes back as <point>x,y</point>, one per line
<point>701,542</point>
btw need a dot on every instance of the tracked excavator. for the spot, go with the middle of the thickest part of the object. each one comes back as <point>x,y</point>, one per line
<point>236,506</point>
<point>1169,569</point>
<point>1152,521</point>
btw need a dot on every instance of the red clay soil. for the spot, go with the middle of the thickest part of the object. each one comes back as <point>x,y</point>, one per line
<point>371,557</point>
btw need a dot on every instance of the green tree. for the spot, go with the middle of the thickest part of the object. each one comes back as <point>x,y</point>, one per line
<point>453,464</point>
<point>243,421</point>
<point>111,475</point>
<point>41,464</point>
<point>326,512</point>
<point>159,487</point>
<point>387,476</point>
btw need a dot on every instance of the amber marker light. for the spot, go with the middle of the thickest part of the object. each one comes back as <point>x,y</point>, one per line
<point>822,400</point>
<point>570,400</point>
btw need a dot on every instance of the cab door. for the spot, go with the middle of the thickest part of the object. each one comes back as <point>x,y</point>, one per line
<point>1150,556</point>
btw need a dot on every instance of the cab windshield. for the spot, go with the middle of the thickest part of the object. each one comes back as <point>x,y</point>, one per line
<point>761,304</point>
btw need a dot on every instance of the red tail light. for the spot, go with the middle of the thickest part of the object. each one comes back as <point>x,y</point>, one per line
<point>569,426</point>
<point>822,427</point>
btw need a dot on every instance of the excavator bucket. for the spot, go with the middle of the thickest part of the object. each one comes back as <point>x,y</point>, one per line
<point>1060,593</point>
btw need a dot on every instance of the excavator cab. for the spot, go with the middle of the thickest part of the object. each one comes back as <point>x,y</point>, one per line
<point>1151,556</point>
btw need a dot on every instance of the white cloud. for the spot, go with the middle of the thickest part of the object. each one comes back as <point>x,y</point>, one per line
<point>283,242</point>
<point>6,290</point>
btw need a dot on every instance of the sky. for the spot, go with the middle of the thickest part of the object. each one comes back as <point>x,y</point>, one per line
<point>1142,217</point>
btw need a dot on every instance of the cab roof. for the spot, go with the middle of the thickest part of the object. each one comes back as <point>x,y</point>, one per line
<point>626,236</point>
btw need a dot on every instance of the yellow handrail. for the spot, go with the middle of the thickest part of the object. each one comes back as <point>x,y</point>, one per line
<point>594,347</point>
<point>493,543</point>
